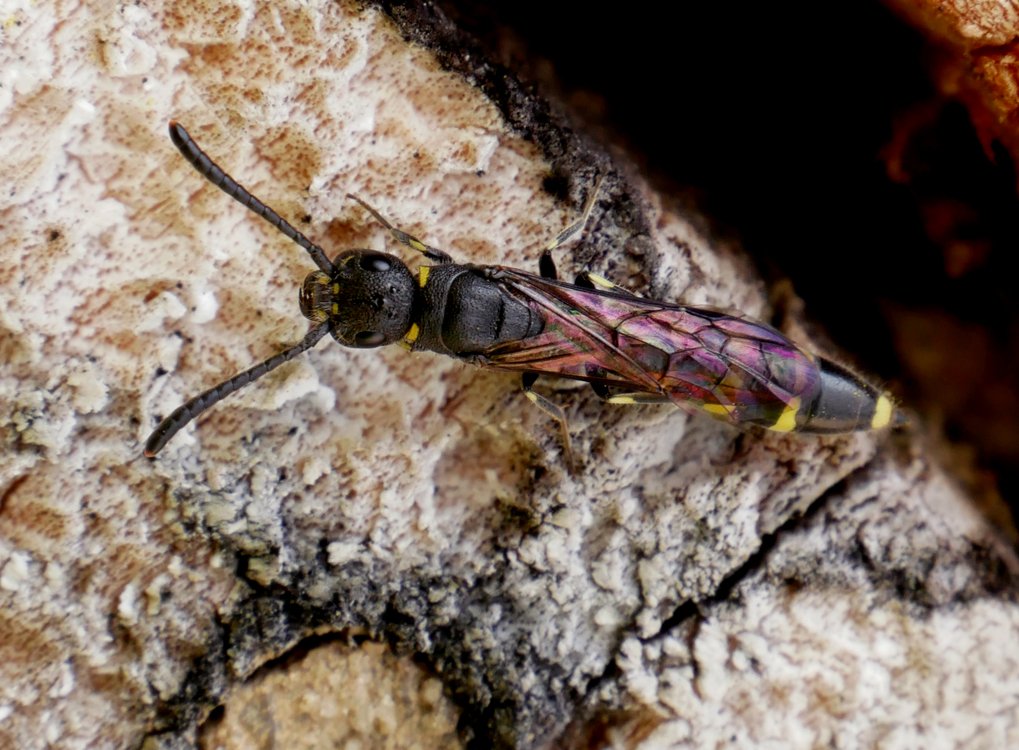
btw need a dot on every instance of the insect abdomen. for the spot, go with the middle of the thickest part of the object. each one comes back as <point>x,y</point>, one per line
<point>845,403</point>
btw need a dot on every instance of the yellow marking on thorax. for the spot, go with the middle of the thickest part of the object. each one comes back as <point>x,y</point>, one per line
<point>412,334</point>
<point>336,308</point>
<point>882,413</point>
<point>786,421</point>
<point>423,272</point>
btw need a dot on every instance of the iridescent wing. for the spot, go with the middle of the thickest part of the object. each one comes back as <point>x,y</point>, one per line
<point>734,369</point>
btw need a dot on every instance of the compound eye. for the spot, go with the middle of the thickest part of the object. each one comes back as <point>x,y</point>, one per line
<point>375,263</point>
<point>368,338</point>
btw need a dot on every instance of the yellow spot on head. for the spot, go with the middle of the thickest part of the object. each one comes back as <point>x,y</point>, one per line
<point>786,421</point>
<point>882,413</point>
<point>423,275</point>
<point>412,334</point>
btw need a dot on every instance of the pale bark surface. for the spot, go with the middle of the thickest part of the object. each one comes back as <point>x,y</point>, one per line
<point>664,596</point>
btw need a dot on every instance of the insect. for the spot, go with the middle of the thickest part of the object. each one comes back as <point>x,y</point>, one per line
<point>630,349</point>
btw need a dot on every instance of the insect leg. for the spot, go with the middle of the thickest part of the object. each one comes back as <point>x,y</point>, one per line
<point>619,396</point>
<point>546,266</point>
<point>545,263</point>
<point>553,410</point>
<point>432,253</point>
<point>590,280</point>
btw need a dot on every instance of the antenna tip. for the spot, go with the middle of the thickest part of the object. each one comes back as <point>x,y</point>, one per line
<point>177,133</point>
<point>155,442</point>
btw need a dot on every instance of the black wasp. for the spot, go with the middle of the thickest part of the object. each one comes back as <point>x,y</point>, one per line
<point>630,349</point>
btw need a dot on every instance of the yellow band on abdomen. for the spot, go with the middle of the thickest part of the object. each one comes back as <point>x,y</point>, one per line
<point>786,421</point>
<point>882,413</point>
